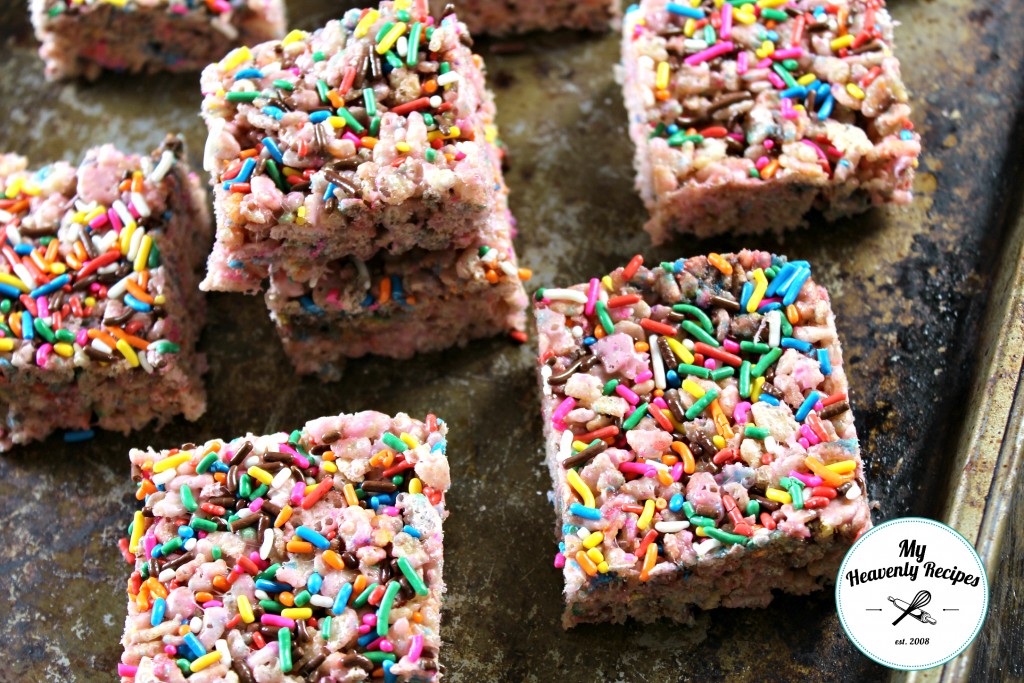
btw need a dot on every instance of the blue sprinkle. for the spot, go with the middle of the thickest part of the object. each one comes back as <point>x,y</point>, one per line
<point>317,539</point>
<point>684,11</point>
<point>185,531</point>
<point>824,362</point>
<point>561,547</point>
<point>411,531</point>
<point>243,175</point>
<point>826,108</point>
<point>569,529</point>
<point>320,116</point>
<point>748,291</point>
<point>368,301</point>
<point>672,379</point>
<point>589,340</point>
<point>772,36</point>
<point>10,291</point>
<point>236,264</point>
<point>79,435</point>
<point>798,344</point>
<point>194,644</point>
<point>793,289</point>
<point>136,304</point>
<point>159,607</point>
<point>272,586</point>
<point>675,504</point>
<point>807,406</point>
<point>23,249</point>
<point>248,73</point>
<point>769,399</point>
<point>672,129</point>
<point>824,90</point>
<point>274,112</point>
<point>796,93</point>
<point>51,286</point>
<point>388,676</point>
<point>584,512</point>
<point>329,192</point>
<point>309,306</point>
<point>27,326</point>
<point>339,602</point>
<point>367,639</point>
<point>906,135</point>
<point>274,150</point>
<point>314,583</point>
<point>769,306</point>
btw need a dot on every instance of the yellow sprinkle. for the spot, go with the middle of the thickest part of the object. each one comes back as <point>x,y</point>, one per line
<point>768,4</point>
<point>6,344</point>
<point>159,299</point>
<point>90,301</point>
<point>95,213</point>
<point>415,485</point>
<point>593,540</point>
<point>126,237</point>
<point>603,567</point>
<point>294,37</point>
<point>235,57</point>
<point>596,555</point>
<point>606,281</point>
<point>855,90</point>
<point>842,41</point>
<point>336,121</point>
<point>58,268</point>
<point>297,613</point>
<point>391,37</point>
<point>245,609</point>
<point>64,349</point>
<point>328,466</point>
<point>692,388</point>
<point>744,16</point>
<point>8,279</point>
<point>760,287</point>
<point>409,440</point>
<point>491,133</point>
<point>661,79</point>
<point>260,475</point>
<point>755,391</point>
<point>689,28</point>
<point>32,190</point>
<point>672,418</point>
<point>138,528</point>
<point>699,531</point>
<point>309,487</point>
<point>14,188</point>
<point>778,495</point>
<point>580,486</point>
<point>843,466</point>
<point>403,147</point>
<point>807,79</point>
<point>578,445</point>
<point>143,256</point>
<point>680,350</point>
<point>364,25</point>
<point>173,461</point>
<point>454,133</point>
<point>646,516</point>
<point>718,441</point>
<point>128,352</point>
<point>403,4</point>
<point>200,663</point>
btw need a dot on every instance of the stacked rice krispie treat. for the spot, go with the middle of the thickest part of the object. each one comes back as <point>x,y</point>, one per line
<point>356,168</point>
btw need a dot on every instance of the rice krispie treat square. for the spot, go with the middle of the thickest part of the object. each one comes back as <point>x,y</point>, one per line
<point>371,134</point>
<point>747,115</point>
<point>315,555</point>
<point>85,37</point>
<point>99,302</point>
<point>699,437</point>
<point>520,16</point>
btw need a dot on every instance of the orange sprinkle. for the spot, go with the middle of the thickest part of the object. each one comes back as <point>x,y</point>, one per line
<point>130,338</point>
<point>661,95</point>
<point>287,598</point>
<point>73,262</point>
<point>720,263</point>
<point>221,583</point>
<point>689,466</point>
<point>51,250</point>
<point>332,560</point>
<point>137,181</point>
<point>385,290</point>
<point>650,559</point>
<point>599,332</point>
<point>145,488</point>
<point>417,617</point>
<point>283,516</point>
<point>203,596</point>
<point>665,477</point>
<point>642,346</point>
<point>368,142</point>
<point>336,99</point>
<point>792,315</point>
<point>15,322</point>
<point>525,273</point>
<point>770,170</point>
<point>359,585</point>
<point>430,87</point>
<point>668,460</point>
<point>492,277</point>
<point>246,153</point>
<point>296,546</point>
<point>350,495</point>
<point>586,563</point>
<point>125,185</point>
<point>138,292</point>
<point>220,477</point>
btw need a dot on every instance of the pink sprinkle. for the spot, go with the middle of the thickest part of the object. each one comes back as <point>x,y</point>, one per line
<point>808,479</point>
<point>375,645</point>
<point>742,63</point>
<point>459,155</point>
<point>816,148</point>
<point>99,221</point>
<point>643,377</point>
<point>677,471</point>
<point>660,402</point>
<point>710,364</point>
<point>170,649</point>
<point>776,80</point>
<point>726,31</point>
<point>386,646</point>
<point>819,406</point>
<point>761,163</point>
<point>133,211</point>
<point>788,53</point>
<point>390,510</point>
<point>201,534</point>
<point>43,307</point>
<point>148,543</point>
<point>416,642</point>
<point>364,629</point>
<point>276,620</point>
<point>128,670</point>
<point>730,345</point>
<point>637,468</point>
<point>559,563</point>
<point>769,300</point>
<point>115,220</point>
<point>82,338</point>
<point>298,492</point>
<point>809,434</point>
<point>804,443</point>
<point>563,409</point>
<point>627,393</point>
<point>256,504</point>
<point>212,603</point>
<point>370,619</point>
<point>254,556</point>
<point>787,109</point>
<point>716,50</point>
<point>764,63</point>
<point>179,9</point>
<point>559,425</point>
<point>43,353</point>
<point>740,412</point>
<point>592,291</point>
<point>350,136</point>
<point>769,143</point>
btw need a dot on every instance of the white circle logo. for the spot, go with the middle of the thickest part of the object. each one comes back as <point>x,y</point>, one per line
<point>912,593</point>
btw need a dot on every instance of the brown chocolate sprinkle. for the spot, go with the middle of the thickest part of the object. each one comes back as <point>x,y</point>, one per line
<point>379,486</point>
<point>241,454</point>
<point>586,455</point>
<point>727,304</point>
<point>834,410</point>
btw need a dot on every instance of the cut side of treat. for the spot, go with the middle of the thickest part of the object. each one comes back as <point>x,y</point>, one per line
<point>371,134</point>
<point>747,116</point>
<point>699,437</point>
<point>99,303</point>
<point>520,16</point>
<point>84,38</point>
<point>398,306</point>
<point>309,556</point>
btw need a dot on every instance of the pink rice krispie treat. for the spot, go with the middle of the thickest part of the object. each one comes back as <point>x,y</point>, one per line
<point>314,556</point>
<point>699,436</point>
<point>519,16</point>
<point>398,306</point>
<point>372,133</point>
<point>747,116</point>
<point>99,303</point>
<point>84,37</point>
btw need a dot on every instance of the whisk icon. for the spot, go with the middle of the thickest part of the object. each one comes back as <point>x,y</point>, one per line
<point>913,608</point>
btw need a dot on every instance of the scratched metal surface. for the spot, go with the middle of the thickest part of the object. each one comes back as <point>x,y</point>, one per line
<point>909,286</point>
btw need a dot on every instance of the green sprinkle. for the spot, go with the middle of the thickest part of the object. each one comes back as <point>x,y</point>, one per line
<point>365,595</point>
<point>319,56</point>
<point>394,442</point>
<point>688,509</point>
<point>725,536</point>
<point>384,613</point>
<point>377,657</point>
<point>275,175</point>
<point>370,102</point>
<point>412,576</point>
<point>283,85</point>
<point>445,67</point>
<point>709,33</point>
<point>65,336</point>
<point>745,379</point>
<point>431,154</point>
<point>203,524</point>
<point>722,373</point>
<point>350,120</point>
<point>428,120</point>
<point>634,419</point>
<point>482,251</point>
<point>604,318</point>
<point>790,64</point>
<point>302,599</point>
<point>187,499</point>
<point>166,347</point>
<point>700,315</point>
<point>770,13</point>
<point>697,520</point>
<point>5,305</point>
<point>270,573</point>
<point>609,387</point>
<point>754,173</point>
<point>271,606</point>
<point>154,256</point>
<point>679,138</point>
<point>797,494</point>
<point>785,75</point>
<point>754,347</point>
<point>658,131</point>
<point>388,25</point>
<point>325,627</point>
<point>44,330</point>
<point>753,508</point>
<point>702,403</point>
<point>258,491</point>
<point>413,54</point>
<point>321,90</point>
<point>171,546</point>
<point>787,327</point>
<point>284,654</point>
<point>294,437</point>
<point>759,433</point>
<point>699,333</point>
<point>696,370</point>
<point>393,59</point>
<point>205,463</point>
<point>241,96</point>
<point>402,15</point>
<point>398,480</point>
<point>375,126</point>
<point>766,362</point>
<point>216,552</point>
<point>244,486</point>
<point>185,666</point>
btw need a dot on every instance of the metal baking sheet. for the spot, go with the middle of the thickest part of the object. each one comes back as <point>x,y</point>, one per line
<point>910,287</point>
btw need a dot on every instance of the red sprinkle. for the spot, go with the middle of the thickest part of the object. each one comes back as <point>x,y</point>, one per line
<point>414,105</point>
<point>647,540</point>
<point>767,522</point>
<point>834,398</point>
<point>816,502</point>
<point>623,300</point>
<point>602,433</point>
<point>634,265</point>
<point>317,493</point>
<point>717,354</point>
<point>659,328</point>
<point>655,412</point>
<point>823,492</point>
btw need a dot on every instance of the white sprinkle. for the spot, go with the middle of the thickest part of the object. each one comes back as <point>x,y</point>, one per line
<point>195,625</point>
<point>105,242</point>
<point>268,543</point>
<point>165,477</point>
<point>166,161</point>
<point>321,601</point>
<point>144,362</point>
<point>22,272</point>
<point>565,295</point>
<point>688,343</point>
<point>577,331</point>
<point>12,232</point>
<point>225,652</point>
<point>491,256</point>
<point>583,532</point>
<point>101,346</point>
<point>671,527</point>
<point>189,544</point>
<point>448,78</point>
<point>774,328</point>
<point>136,241</point>
<point>854,491</point>
<point>707,546</point>
<point>509,269</point>
<point>166,575</point>
<point>565,447</point>
<point>262,595</point>
<point>657,362</point>
<point>694,45</point>
<point>435,101</point>
<point>281,478</point>
<point>402,46</point>
<point>119,288</point>
<point>122,212</point>
<point>139,202</point>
